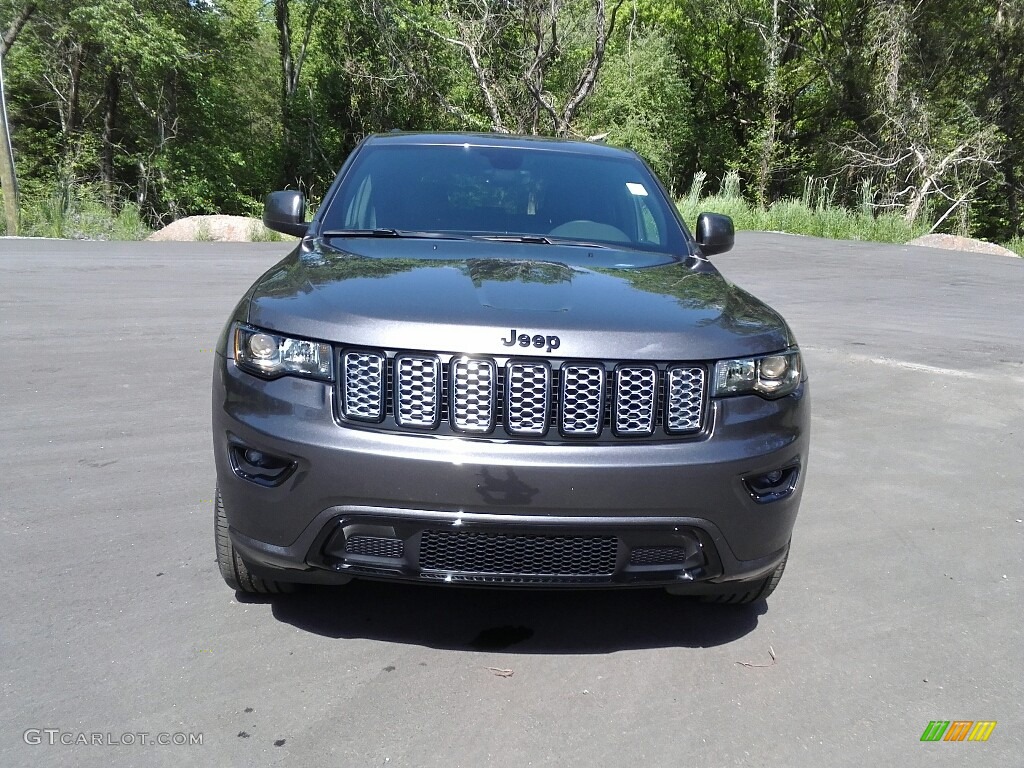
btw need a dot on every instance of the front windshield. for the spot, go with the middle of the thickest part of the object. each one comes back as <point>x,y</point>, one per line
<point>506,192</point>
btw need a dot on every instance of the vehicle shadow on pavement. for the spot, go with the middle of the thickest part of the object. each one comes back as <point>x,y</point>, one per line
<point>522,621</point>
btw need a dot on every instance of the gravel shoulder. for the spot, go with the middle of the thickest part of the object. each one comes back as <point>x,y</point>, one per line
<point>958,243</point>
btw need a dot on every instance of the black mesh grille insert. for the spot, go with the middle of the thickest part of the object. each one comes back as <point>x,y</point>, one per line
<point>503,553</point>
<point>374,546</point>
<point>657,555</point>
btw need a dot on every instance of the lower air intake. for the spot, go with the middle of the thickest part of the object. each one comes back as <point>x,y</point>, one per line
<point>657,556</point>
<point>374,546</point>
<point>496,553</point>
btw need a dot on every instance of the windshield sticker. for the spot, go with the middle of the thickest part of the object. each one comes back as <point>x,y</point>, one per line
<point>636,189</point>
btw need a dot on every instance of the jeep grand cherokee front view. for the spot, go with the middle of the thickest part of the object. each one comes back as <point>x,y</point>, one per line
<point>504,361</point>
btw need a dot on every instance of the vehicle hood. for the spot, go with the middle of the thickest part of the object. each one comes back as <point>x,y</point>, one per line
<point>476,296</point>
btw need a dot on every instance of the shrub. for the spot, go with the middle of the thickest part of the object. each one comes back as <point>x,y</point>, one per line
<point>79,213</point>
<point>815,213</point>
<point>258,233</point>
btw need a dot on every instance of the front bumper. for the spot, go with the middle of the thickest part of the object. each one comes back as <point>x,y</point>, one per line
<point>635,513</point>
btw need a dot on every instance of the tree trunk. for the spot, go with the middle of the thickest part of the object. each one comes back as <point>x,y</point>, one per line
<point>289,164</point>
<point>74,83</point>
<point>291,70</point>
<point>1004,83</point>
<point>111,96</point>
<point>769,139</point>
<point>15,28</point>
<point>588,77</point>
<point>8,180</point>
<point>916,202</point>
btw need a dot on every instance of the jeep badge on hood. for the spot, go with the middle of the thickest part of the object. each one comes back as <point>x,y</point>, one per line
<point>525,340</point>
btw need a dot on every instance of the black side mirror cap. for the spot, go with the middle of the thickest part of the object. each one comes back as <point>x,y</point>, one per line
<point>285,212</point>
<point>715,233</point>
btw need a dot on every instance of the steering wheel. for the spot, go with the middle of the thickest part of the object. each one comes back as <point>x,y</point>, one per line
<point>585,229</point>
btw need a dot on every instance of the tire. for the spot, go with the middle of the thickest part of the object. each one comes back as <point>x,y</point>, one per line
<point>752,591</point>
<point>232,567</point>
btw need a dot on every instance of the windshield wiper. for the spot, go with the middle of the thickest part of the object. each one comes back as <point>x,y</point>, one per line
<point>546,240</point>
<point>589,244</point>
<point>538,239</point>
<point>416,234</point>
<point>385,232</point>
<point>359,233</point>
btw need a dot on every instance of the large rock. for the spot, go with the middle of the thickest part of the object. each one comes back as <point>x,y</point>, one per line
<point>224,228</point>
<point>958,243</point>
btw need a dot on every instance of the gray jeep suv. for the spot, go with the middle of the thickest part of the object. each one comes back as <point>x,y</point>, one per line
<point>505,361</point>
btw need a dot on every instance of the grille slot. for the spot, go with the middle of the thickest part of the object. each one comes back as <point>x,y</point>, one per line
<point>496,553</point>
<point>636,399</point>
<point>472,398</point>
<point>374,546</point>
<point>527,398</point>
<point>684,399</point>
<point>582,411</point>
<point>363,393</point>
<point>657,556</point>
<point>417,387</point>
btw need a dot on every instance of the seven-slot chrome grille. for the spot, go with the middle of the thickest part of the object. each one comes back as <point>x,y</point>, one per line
<point>528,398</point>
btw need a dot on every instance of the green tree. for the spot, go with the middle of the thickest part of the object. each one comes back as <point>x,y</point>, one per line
<point>532,65</point>
<point>642,102</point>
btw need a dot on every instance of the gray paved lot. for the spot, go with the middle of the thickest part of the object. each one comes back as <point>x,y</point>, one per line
<point>902,602</point>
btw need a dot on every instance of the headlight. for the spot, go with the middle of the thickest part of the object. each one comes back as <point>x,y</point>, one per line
<point>770,376</point>
<point>270,355</point>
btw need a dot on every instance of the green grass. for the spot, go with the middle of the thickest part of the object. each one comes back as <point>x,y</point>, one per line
<point>203,234</point>
<point>78,214</point>
<point>258,233</point>
<point>814,214</point>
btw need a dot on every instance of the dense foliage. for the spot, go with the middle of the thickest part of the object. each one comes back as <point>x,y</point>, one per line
<point>165,108</point>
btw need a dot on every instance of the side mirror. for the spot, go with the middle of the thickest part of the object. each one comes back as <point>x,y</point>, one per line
<point>285,212</point>
<point>715,233</point>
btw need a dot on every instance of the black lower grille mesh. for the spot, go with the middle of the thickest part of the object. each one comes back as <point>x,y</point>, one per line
<point>374,546</point>
<point>657,555</point>
<point>528,555</point>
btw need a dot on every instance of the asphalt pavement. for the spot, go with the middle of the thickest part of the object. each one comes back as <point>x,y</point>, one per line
<point>902,602</point>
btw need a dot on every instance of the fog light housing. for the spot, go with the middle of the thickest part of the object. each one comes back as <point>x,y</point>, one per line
<point>259,466</point>
<point>773,485</point>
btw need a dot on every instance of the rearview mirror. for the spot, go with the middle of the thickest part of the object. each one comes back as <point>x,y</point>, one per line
<point>285,212</point>
<point>715,233</point>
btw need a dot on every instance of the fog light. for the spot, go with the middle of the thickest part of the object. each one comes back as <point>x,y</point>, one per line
<point>260,467</point>
<point>254,457</point>
<point>773,485</point>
